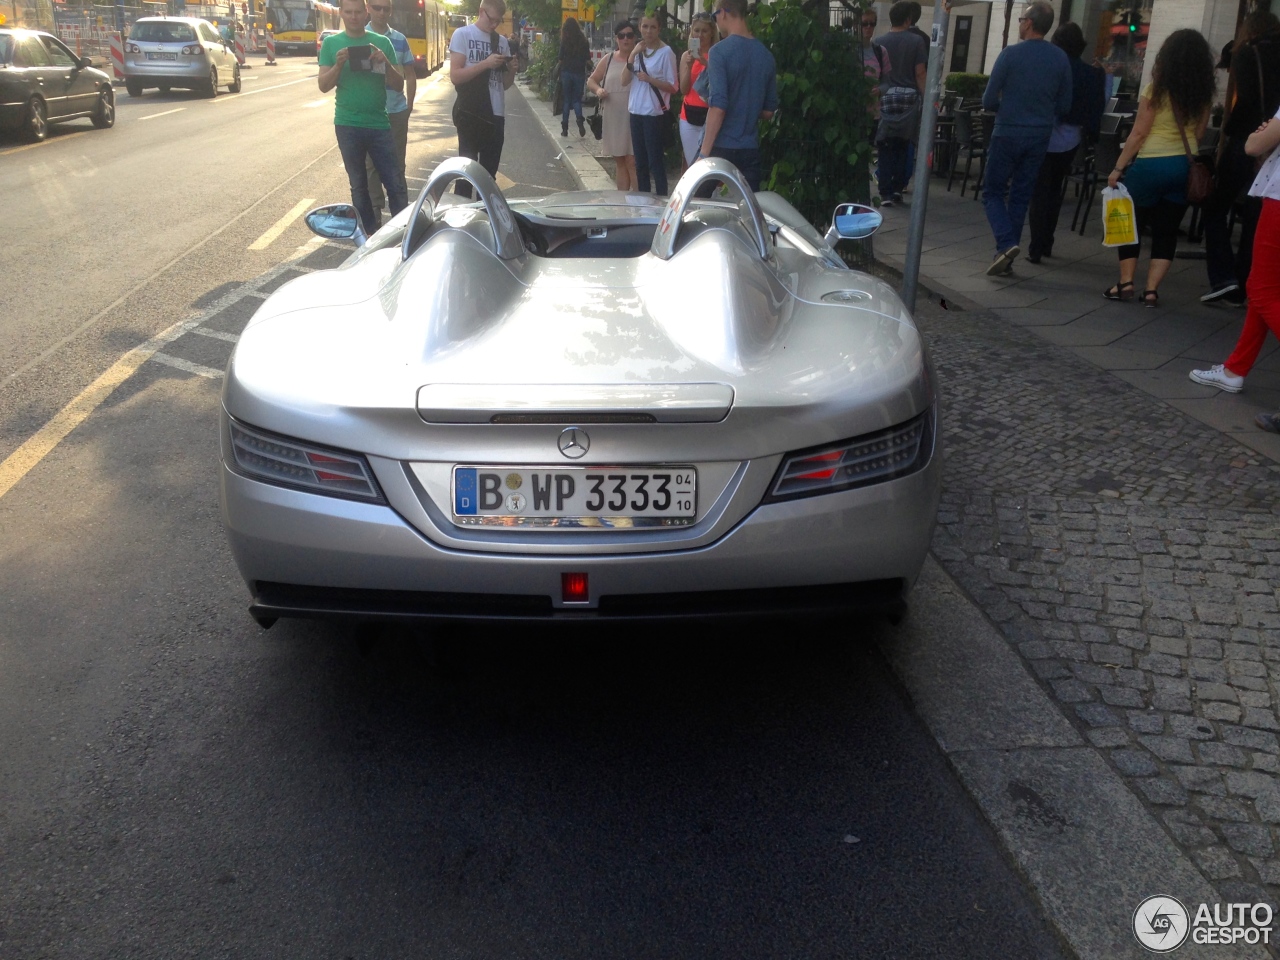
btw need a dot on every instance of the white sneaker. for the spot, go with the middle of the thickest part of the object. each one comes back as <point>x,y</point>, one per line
<point>1218,376</point>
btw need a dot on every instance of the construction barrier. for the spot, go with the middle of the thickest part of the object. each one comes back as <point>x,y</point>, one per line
<point>271,49</point>
<point>117,57</point>
<point>240,58</point>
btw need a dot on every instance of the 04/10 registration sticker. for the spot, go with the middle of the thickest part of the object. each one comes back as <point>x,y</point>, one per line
<point>575,497</point>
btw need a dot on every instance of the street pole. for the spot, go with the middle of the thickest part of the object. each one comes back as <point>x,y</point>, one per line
<point>928,125</point>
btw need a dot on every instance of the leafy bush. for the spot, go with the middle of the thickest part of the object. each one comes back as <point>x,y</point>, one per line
<point>816,151</point>
<point>967,85</point>
<point>543,57</point>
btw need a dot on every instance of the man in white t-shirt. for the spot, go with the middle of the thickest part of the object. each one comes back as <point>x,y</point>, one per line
<point>476,69</point>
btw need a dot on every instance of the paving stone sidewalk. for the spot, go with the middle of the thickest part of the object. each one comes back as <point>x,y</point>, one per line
<point>1120,528</point>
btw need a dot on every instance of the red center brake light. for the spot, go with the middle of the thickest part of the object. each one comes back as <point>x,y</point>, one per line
<point>573,588</point>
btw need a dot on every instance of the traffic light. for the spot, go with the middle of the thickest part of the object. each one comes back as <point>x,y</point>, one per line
<point>1133,24</point>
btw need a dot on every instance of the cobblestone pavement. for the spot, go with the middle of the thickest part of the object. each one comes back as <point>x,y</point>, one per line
<point>1131,554</point>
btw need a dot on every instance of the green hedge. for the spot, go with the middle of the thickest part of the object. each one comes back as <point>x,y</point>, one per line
<point>968,85</point>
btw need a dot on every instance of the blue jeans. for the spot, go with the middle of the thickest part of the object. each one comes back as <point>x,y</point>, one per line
<point>356,143</point>
<point>571,87</point>
<point>893,169</point>
<point>1013,165</point>
<point>646,141</point>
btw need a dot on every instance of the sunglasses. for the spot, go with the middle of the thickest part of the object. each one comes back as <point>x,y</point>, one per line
<point>717,11</point>
<point>705,17</point>
<point>626,36</point>
<point>869,26</point>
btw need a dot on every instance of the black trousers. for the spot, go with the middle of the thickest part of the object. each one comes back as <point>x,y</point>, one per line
<point>1162,220</point>
<point>480,139</point>
<point>1235,174</point>
<point>1046,201</point>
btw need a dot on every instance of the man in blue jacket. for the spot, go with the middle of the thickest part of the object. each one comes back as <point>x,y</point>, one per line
<point>1029,89</point>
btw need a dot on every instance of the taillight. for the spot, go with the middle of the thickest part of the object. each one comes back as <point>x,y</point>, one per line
<point>132,48</point>
<point>292,463</point>
<point>862,461</point>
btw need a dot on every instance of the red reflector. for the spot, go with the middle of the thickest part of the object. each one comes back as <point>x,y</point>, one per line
<point>823,457</point>
<point>816,475</point>
<point>326,475</point>
<point>573,588</point>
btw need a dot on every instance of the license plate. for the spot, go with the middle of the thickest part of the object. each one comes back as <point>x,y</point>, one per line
<point>611,498</point>
<point>162,56</point>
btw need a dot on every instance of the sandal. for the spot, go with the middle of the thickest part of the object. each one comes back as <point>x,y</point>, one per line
<point>1121,291</point>
<point>1150,298</point>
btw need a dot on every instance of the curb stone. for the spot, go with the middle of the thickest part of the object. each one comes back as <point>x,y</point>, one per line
<point>575,150</point>
<point>1084,842</point>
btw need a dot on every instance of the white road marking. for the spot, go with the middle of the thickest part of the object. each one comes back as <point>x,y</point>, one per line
<point>187,366</point>
<point>217,334</point>
<point>164,114</point>
<point>317,103</point>
<point>282,224</point>
<point>249,93</point>
<point>418,179</point>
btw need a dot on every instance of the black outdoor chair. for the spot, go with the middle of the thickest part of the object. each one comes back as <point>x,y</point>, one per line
<point>1105,154</point>
<point>969,143</point>
<point>988,121</point>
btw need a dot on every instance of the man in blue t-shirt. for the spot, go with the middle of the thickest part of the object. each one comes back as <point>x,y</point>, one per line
<point>744,91</point>
<point>399,105</point>
<point>1029,90</point>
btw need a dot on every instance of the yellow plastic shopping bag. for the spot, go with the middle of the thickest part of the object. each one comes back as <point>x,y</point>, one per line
<point>1118,223</point>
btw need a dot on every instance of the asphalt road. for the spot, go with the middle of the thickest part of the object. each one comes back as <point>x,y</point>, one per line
<point>176,782</point>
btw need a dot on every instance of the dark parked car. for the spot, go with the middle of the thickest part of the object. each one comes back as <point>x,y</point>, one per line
<point>43,82</point>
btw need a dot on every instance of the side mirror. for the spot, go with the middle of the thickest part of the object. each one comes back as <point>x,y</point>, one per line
<point>853,221</point>
<point>84,63</point>
<point>337,221</point>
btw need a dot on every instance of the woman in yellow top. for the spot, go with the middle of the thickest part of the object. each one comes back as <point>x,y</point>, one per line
<point>1154,162</point>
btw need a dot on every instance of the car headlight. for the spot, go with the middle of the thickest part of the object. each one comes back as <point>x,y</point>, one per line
<point>859,462</point>
<point>292,463</point>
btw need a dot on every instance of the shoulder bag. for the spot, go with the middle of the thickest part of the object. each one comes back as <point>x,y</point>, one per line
<point>1200,183</point>
<point>596,121</point>
<point>668,118</point>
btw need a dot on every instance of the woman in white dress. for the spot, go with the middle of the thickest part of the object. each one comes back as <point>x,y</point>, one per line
<point>653,65</point>
<point>611,82</point>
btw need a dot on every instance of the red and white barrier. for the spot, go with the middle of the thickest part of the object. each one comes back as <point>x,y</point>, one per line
<point>240,58</point>
<point>117,57</point>
<point>271,49</point>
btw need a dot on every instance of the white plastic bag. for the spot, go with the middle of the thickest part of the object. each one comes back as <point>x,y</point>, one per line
<point>1119,225</point>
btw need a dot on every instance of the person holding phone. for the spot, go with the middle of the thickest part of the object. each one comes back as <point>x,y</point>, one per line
<point>693,110</point>
<point>653,66</point>
<point>399,105</point>
<point>362,67</point>
<point>481,69</point>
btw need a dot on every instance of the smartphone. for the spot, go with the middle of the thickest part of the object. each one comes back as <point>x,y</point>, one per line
<point>360,57</point>
<point>695,46</point>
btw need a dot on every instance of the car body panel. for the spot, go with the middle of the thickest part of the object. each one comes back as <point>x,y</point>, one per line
<point>717,357</point>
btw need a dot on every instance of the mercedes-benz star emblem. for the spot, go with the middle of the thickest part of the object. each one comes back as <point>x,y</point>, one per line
<point>574,442</point>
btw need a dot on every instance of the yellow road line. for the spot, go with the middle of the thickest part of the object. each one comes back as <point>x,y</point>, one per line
<point>19,463</point>
<point>44,143</point>
<point>281,225</point>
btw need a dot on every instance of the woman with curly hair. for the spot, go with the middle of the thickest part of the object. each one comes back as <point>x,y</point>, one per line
<point>575,54</point>
<point>1154,161</point>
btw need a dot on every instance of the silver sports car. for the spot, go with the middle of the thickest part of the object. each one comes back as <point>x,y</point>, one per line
<point>587,405</point>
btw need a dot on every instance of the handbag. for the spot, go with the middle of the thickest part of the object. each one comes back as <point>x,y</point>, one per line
<point>1200,181</point>
<point>596,121</point>
<point>669,134</point>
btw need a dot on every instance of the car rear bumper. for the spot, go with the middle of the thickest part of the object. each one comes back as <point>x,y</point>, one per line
<point>308,555</point>
<point>169,72</point>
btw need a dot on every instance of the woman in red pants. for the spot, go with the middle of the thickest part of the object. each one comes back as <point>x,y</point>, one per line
<point>1264,279</point>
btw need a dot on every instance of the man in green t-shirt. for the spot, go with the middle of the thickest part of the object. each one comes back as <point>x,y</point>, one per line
<point>362,65</point>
